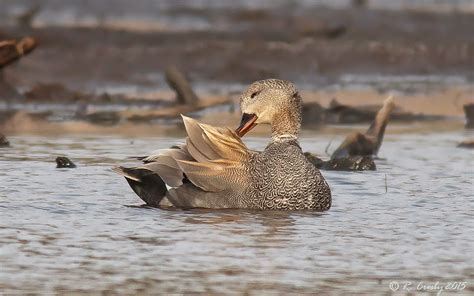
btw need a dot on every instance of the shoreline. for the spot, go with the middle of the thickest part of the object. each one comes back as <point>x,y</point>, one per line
<point>446,102</point>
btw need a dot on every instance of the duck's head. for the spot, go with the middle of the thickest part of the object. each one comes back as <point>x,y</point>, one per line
<point>271,101</point>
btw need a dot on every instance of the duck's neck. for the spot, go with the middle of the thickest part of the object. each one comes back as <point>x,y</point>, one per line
<point>286,126</point>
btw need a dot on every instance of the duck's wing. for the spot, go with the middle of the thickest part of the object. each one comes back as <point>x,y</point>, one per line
<point>213,158</point>
<point>189,196</point>
<point>164,163</point>
<point>219,157</point>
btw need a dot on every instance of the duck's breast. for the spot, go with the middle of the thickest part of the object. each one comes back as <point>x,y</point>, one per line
<point>284,179</point>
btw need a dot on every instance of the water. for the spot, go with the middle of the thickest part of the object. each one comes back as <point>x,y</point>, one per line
<point>72,230</point>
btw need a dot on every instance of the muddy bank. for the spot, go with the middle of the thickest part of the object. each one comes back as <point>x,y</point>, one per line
<point>52,105</point>
<point>57,104</point>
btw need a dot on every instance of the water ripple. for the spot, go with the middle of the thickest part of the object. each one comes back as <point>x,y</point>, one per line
<point>78,230</point>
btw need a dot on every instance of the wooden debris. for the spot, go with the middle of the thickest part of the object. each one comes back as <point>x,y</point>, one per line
<point>351,163</point>
<point>177,80</point>
<point>467,144</point>
<point>26,19</point>
<point>469,111</point>
<point>12,50</point>
<point>368,144</point>
<point>3,141</point>
<point>173,112</point>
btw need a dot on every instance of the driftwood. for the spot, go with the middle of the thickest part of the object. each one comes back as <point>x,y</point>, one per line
<point>3,141</point>
<point>184,91</point>
<point>12,50</point>
<point>469,111</point>
<point>367,144</point>
<point>314,114</point>
<point>467,144</point>
<point>172,112</point>
<point>351,163</point>
<point>26,18</point>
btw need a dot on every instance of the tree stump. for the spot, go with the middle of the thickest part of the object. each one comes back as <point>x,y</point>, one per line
<point>177,81</point>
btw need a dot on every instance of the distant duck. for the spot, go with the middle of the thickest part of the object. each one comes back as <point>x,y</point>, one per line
<point>216,170</point>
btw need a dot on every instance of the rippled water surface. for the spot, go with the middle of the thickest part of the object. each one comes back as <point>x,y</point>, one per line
<point>72,230</point>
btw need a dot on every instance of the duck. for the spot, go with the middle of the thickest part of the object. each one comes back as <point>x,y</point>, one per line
<point>214,169</point>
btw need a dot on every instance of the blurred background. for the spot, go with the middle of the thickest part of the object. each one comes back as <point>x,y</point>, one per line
<point>105,62</point>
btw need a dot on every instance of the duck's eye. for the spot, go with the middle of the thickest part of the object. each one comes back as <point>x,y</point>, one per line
<point>254,94</point>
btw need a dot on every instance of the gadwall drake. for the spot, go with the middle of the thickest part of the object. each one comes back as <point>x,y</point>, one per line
<point>214,169</point>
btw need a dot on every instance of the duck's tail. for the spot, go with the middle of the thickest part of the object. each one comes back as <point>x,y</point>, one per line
<point>145,183</point>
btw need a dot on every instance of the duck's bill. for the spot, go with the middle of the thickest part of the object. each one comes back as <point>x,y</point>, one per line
<point>246,124</point>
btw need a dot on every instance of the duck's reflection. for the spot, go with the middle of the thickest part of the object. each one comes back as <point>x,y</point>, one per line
<point>262,228</point>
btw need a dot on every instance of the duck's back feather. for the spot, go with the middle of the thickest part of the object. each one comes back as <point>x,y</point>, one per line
<point>213,159</point>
